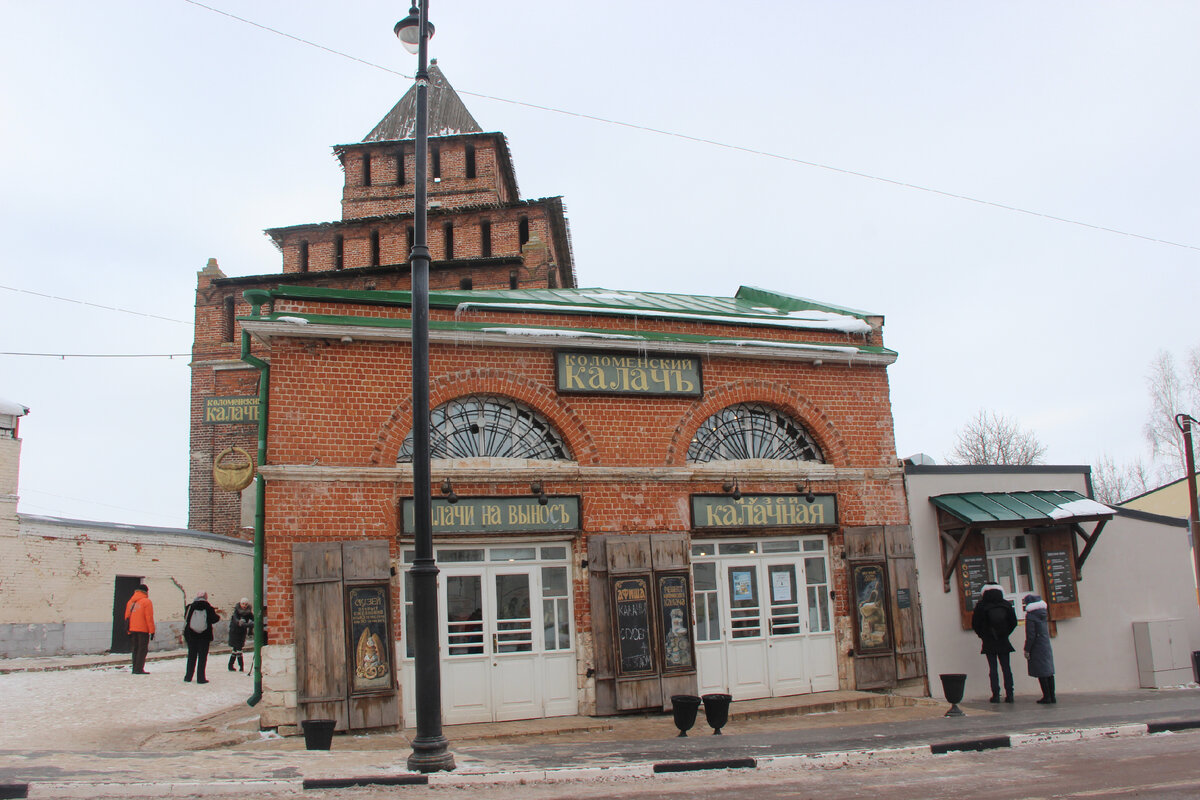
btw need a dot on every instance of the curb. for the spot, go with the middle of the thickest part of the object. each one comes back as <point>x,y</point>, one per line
<point>87,789</point>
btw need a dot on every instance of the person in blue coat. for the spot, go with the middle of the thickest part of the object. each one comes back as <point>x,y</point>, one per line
<point>1037,645</point>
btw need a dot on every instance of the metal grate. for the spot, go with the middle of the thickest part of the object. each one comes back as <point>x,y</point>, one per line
<point>752,430</point>
<point>480,426</point>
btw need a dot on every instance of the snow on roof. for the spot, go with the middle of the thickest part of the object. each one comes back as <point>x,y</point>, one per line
<point>12,409</point>
<point>568,332</point>
<point>809,319</point>
<point>1080,508</point>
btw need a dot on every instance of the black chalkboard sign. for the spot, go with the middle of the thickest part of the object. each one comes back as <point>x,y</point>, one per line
<point>903,598</point>
<point>972,575</point>
<point>631,600</point>
<point>1060,578</point>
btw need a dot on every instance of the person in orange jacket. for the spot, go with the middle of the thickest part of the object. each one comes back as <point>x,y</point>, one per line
<point>139,616</point>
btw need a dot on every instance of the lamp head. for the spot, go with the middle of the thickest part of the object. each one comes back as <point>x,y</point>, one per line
<point>407,30</point>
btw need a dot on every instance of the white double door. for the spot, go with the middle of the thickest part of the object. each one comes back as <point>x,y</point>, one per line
<point>764,626</point>
<point>505,643</point>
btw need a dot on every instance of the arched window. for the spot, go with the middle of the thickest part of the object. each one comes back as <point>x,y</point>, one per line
<point>752,430</point>
<point>484,425</point>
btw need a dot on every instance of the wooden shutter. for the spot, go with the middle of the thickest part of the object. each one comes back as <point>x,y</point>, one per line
<point>320,632</point>
<point>325,575</point>
<point>1056,553</point>
<point>906,603</point>
<point>971,575</point>
<point>866,546</point>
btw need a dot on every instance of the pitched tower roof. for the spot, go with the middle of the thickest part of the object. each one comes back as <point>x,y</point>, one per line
<point>447,114</point>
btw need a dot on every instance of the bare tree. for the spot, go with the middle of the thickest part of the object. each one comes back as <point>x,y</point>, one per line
<point>1171,393</point>
<point>1114,483</point>
<point>992,438</point>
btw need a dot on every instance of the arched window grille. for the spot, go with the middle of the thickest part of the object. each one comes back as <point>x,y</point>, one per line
<point>752,430</point>
<point>480,426</point>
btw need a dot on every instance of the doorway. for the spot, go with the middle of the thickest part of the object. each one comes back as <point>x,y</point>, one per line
<point>764,624</point>
<point>505,634</point>
<point>123,588</point>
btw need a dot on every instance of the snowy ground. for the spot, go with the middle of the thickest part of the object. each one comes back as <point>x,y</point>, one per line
<point>108,708</point>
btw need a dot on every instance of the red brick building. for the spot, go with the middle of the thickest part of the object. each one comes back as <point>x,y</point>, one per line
<point>636,495</point>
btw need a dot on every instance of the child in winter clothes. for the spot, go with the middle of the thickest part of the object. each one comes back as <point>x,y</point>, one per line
<point>1037,645</point>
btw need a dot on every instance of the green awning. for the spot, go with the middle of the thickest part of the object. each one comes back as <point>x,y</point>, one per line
<point>1030,508</point>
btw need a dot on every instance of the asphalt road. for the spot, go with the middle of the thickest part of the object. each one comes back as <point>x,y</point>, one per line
<point>1158,767</point>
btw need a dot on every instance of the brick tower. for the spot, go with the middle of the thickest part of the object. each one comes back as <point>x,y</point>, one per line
<point>481,236</point>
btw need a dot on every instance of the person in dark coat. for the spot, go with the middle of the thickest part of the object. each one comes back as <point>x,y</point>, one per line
<point>198,620</point>
<point>240,623</point>
<point>993,621</point>
<point>1037,645</point>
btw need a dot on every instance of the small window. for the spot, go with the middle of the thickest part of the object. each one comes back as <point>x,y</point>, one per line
<point>466,284</point>
<point>436,157</point>
<point>228,324</point>
<point>523,231</point>
<point>514,279</point>
<point>400,179</point>
<point>485,238</point>
<point>448,240</point>
<point>304,255</point>
<point>514,553</point>
<point>366,169</point>
<point>1010,565</point>
<point>411,236</point>
<point>470,161</point>
<point>374,248</point>
<point>339,251</point>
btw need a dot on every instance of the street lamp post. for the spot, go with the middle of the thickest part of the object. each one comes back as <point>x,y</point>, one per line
<point>430,748</point>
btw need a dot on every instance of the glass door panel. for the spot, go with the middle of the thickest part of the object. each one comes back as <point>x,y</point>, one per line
<point>785,603</point>
<point>464,615</point>
<point>745,612</point>
<point>708,612</point>
<point>816,576</point>
<point>514,622</point>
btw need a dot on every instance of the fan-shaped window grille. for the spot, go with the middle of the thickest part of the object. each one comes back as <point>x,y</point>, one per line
<point>489,426</point>
<point>752,430</point>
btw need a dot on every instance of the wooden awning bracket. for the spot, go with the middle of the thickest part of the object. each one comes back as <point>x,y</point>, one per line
<point>1087,548</point>
<point>951,564</point>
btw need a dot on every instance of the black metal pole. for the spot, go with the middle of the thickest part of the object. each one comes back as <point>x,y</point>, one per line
<point>430,748</point>
<point>1184,422</point>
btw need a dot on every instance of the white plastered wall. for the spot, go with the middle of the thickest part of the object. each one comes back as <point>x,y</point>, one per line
<point>57,580</point>
<point>1139,571</point>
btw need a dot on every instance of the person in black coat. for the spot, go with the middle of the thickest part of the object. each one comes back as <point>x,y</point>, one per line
<point>240,623</point>
<point>198,620</point>
<point>1037,645</point>
<point>993,621</point>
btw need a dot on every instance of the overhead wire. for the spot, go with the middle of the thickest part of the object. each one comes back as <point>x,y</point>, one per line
<point>715,142</point>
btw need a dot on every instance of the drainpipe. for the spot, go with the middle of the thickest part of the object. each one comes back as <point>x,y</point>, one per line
<point>257,298</point>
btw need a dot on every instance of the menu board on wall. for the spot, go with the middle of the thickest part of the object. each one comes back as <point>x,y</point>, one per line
<point>677,628</point>
<point>972,575</point>
<point>1060,578</point>
<point>631,601</point>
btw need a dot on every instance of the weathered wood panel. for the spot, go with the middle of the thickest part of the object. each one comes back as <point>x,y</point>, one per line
<point>906,604</point>
<point>320,633</point>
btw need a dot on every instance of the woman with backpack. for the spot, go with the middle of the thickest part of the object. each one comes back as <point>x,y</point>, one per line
<point>993,621</point>
<point>198,620</point>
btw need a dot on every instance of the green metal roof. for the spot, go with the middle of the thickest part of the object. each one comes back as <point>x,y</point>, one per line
<point>1036,508</point>
<point>749,306</point>
<point>641,335</point>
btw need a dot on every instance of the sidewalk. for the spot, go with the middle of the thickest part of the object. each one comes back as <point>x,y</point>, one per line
<point>224,753</point>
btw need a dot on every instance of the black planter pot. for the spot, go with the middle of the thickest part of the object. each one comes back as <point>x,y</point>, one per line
<point>684,707</point>
<point>318,733</point>
<point>953,685</point>
<point>716,710</point>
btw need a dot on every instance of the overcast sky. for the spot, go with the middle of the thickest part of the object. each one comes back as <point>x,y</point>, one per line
<point>142,138</point>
